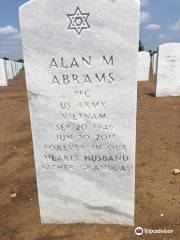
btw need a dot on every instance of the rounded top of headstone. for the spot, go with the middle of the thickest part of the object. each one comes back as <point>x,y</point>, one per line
<point>25,5</point>
<point>30,2</point>
<point>170,44</point>
<point>144,53</point>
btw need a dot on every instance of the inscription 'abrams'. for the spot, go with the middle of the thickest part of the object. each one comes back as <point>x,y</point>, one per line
<point>85,79</point>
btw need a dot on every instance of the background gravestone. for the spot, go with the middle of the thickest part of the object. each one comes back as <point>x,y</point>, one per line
<point>154,65</point>
<point>12,63</point>
<point>81,81</point>
<point>3,74</point>
<point>9,69</point>
<point>14,68</point>
<point>143,65</point>
<point>17,67</point>
<point>168,71</point>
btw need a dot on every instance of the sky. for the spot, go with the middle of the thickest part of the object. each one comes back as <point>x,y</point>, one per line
<point>159,23</point>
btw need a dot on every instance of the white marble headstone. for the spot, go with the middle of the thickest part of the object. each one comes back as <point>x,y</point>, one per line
<point>154,64</point>
<point>81,80</point>
<point>143,66</point>
<point>9,69</point>
<point>14,68</point>
<point>17,67</point>
<point>3,74</point>
<point>168,72</point>
<point>12,63</point>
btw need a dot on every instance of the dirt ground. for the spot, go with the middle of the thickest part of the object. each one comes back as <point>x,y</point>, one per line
<point>157,189</point>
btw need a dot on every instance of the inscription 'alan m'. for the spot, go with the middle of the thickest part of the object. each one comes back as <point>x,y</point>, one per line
<point>78,62</point>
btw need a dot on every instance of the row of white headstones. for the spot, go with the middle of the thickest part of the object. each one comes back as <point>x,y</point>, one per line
<point>166,66</point>
<point>8,71</point>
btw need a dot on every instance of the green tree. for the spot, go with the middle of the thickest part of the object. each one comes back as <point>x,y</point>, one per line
<point>141,47</point>
<point>5,58</point>
<point>151,52</point>
<point>20,60</point>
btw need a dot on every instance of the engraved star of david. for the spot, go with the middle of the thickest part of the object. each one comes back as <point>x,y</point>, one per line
<point>78,21</point>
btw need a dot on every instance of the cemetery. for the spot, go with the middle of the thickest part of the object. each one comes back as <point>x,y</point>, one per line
<point>167,82</point>
<point>89,126</point>
<point>143,67</point>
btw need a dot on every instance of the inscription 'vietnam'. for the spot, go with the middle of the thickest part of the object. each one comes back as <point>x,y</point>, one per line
<point>78,116</point>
